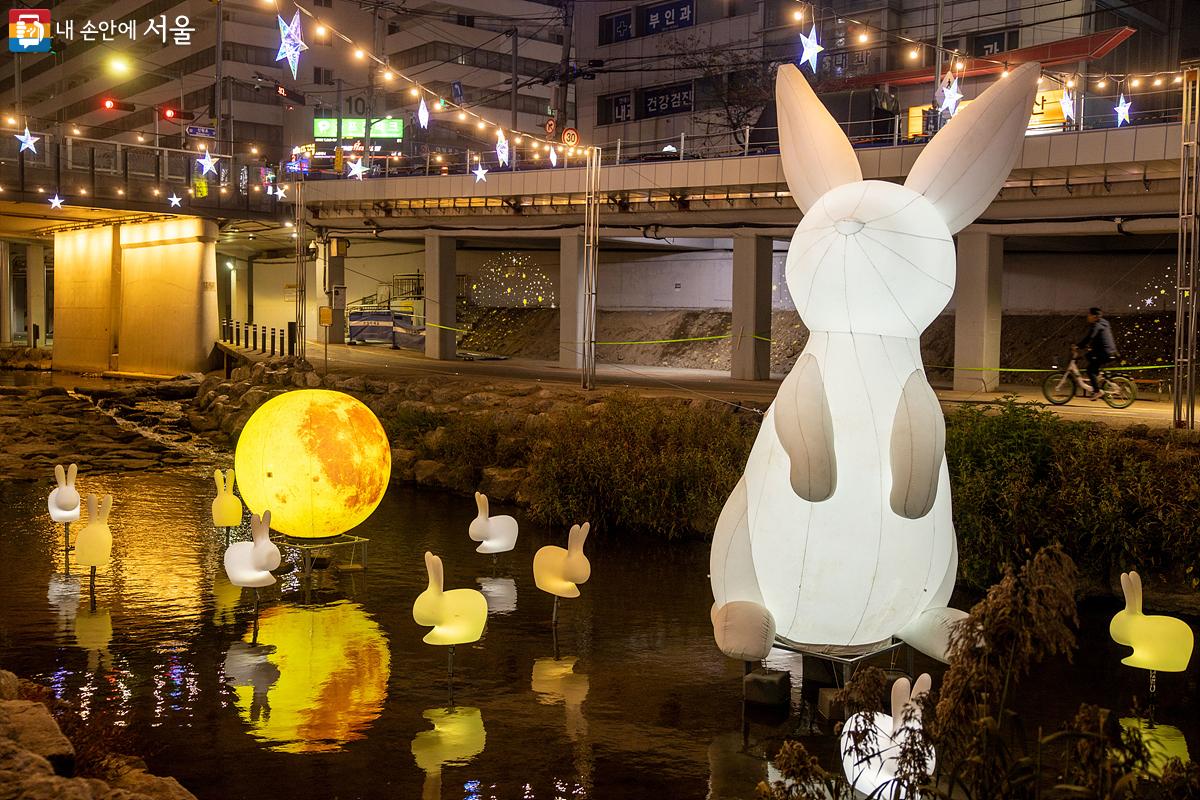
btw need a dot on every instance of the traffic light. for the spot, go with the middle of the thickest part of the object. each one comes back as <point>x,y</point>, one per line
<point>111,104</point>
<point>175,115</point>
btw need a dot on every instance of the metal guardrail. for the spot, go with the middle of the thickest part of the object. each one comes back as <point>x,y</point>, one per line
<point>259,338</point>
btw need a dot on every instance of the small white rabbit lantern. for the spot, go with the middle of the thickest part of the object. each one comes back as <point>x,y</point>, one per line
<point>496,534</point>
<point>249,564</point>
<point>63,502</point>
<point>839,531</point>
<point>874,772</point>
<point>93,546</point>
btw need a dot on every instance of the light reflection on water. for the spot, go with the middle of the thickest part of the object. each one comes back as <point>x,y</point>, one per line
<point>334,691</point>
<point>335,695</point>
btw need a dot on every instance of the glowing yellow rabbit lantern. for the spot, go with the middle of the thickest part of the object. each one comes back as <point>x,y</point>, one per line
<point>93,546</point>
<point>63,502</point>
<point>496,534</point>
<point>456,738</point>
<point>558,571</point>
<point>1159,643</point>
<point>456,616</point>
<point>226,508</point>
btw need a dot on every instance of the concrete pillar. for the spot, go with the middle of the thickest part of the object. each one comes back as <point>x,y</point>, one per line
<point>977,310</point>
<point>440,260</point>
<point>35,293</point>
<point>570,301</point>
<point>335,275</point>
<point>752,258</point>
<point>5,293</point>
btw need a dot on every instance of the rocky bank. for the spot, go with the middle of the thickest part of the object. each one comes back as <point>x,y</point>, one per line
<point>38,761</point>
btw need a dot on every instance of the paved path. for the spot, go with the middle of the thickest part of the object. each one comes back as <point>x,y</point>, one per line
<point>382,362</point>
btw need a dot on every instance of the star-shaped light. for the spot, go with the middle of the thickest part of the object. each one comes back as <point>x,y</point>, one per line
<point>356,169</point>
<point>1067,101</point>
<point>56,202</point>
<point>554,156</point>
<point>27,141</point>
<point>280,193</point>
<point>174,200</point>
<point>423,113</point>
<point>1122,108</point>
<point>480,173</point>
<point>501,149</point>
<point>291,43</point>
<point>950,97</point>
<point>810,47</point>
<point>207,164</point>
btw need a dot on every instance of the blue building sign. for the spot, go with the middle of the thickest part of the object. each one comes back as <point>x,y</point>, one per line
<point>663,17</point>
<point>660,101</point>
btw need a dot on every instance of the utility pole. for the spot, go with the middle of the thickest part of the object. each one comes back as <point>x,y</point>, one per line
<point>564,68</point>
<point>217,84</point>
<point>937,61</point>
<point>513,124</point>
<point>371,88</point>
<point>337,154</point>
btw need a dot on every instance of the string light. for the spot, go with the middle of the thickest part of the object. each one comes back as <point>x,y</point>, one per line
<point>863,38</point>
<point>958,65</point>
<point>1136,82</point>
<point>913,53</point>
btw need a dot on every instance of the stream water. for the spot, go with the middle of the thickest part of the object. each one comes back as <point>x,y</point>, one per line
<point>336,696</point>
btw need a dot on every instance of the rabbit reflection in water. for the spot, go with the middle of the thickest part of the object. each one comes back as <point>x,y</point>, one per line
<point>839,531</point>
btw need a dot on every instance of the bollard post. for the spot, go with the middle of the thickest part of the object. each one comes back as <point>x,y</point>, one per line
<point>264,339</point>
<point>254,345</point>
<point>272,341</point>
<point>291,333</point>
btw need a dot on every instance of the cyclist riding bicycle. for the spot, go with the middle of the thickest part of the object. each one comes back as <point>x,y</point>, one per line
<point>1099,346</point>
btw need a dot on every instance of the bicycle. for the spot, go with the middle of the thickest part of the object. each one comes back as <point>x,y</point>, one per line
<point>1117,390</point>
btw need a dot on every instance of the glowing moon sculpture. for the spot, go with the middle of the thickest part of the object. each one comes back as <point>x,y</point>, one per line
<point>839,531</point>
<point>316,679</point>
<point>63,502</point>
<point>319,460</point>
<point>873,773</point>
<point>1159,643</point>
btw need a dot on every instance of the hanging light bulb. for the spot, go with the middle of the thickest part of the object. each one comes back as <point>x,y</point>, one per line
<point>959,64</point>
<point>462,116</point>
<point>1070,83</point>
<point>863,38</point>
<point>1004,74</point>
<point>1101,83</point>
<point>1136,82</point>
<point>415,92</point>
<point>1158,81</point>
<point>798,15</point>
<point>914,53</point>
<point>481,125</point>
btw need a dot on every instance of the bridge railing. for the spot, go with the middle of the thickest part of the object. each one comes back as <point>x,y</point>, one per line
<point>85,171</point>
<point>717,144</point>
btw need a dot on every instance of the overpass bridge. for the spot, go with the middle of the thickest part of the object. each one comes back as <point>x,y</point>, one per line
<point>1092,182</point>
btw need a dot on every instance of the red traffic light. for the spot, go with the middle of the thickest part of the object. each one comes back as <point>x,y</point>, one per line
<point>175,115</point>
<point>116,105</point>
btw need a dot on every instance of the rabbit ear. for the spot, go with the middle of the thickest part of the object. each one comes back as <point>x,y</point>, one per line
<point>901,692</point>
<point>229,481</point>
<point>60,475</point>
<point>482,502</point>
<point>266,519</point>
<point>1135,587</point>
<point>966,163</point>
<point>815,153</point>
<point>921,686</point>
<point>91,507</point>
<point>72,471</point>
<point>578,536</point>
<point>219,481</point>
<point>433,565</point>
<point>105,507</point>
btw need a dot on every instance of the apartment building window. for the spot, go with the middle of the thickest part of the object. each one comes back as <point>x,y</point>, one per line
<point>661,101</point>
<point>322,76</point>
<point>323,3</point>
<point>464,20</point>
<point>469,57</point>
<point>993,42</point>
<point>393,27</point>
<point>249,54</point>
<point>614,108</point>
<point>617,27</point>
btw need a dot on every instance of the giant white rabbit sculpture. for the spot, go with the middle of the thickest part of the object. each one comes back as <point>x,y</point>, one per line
<point>839,532</point>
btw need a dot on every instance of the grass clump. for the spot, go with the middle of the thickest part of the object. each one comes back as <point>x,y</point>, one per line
<point>636,463</point>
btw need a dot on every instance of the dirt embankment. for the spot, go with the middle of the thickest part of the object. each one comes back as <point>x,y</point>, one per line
<point>1026,341</point>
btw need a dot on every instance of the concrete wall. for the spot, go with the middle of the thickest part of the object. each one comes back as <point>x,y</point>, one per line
<point>136,298</point>
<point>87,285</point>
<point>168,310</point>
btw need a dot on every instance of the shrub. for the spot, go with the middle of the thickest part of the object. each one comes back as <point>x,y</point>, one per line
<point>637,463</point>
<point>1023,478</point>
<point>405,424</point>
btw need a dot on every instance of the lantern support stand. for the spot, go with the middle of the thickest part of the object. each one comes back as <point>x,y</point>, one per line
<point>450,674</point>
<point>254,635</point>
<point>67,547</point>
<point>1153,699</point>
<point>92,588</point>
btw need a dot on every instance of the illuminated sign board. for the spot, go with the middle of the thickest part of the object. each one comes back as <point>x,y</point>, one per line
<point>356,128</point>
